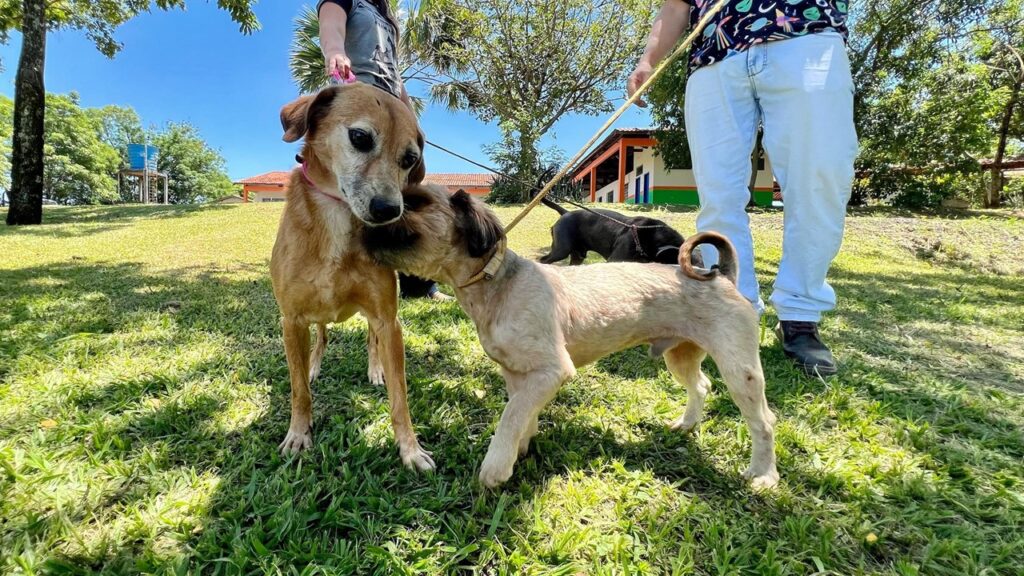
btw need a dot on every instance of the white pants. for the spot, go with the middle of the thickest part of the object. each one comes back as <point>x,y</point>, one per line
<point>800,90</point>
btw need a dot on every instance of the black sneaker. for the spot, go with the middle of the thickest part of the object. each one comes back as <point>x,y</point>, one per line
<point>803,345</point>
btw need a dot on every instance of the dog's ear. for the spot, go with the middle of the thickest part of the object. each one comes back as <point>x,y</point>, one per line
<point>300,117</point>
<point>479,227</point>
<point>419,169</point>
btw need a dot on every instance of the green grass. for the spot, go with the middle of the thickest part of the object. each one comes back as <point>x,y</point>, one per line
<point>143,392</point>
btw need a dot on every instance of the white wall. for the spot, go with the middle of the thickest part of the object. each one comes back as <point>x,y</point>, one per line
<point>602,193</point>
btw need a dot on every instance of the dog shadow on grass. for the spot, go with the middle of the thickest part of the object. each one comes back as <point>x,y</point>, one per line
<point>219,416</point>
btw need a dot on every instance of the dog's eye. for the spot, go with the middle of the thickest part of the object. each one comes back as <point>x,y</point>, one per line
<point>360,139</point>
<point>409,160</point>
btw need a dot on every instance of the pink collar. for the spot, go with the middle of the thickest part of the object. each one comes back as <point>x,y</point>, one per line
<point>305,174</point>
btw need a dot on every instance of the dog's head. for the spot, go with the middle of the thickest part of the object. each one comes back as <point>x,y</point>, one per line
<point>366,141</point>
<point>439,236</point>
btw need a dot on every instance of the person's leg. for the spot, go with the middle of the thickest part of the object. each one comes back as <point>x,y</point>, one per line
<point>721,123</point>
<point>806,97</point>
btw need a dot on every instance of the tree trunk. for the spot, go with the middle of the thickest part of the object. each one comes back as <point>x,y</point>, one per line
<point>996,185</point>
<point>26,194</point>
<point>527,169</point>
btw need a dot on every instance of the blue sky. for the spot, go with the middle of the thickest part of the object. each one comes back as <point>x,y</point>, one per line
<point>195,66</point>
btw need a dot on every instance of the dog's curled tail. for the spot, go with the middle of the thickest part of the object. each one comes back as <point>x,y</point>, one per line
<point>726,256</point>
<point>549,203</point>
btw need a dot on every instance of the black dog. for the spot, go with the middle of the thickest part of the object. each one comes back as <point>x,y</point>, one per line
<point>611,235</point>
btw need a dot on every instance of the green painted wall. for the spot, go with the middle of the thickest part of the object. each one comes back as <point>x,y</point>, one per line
<point>677,196</point>
<point>763,197</point>
<point>689,197</point>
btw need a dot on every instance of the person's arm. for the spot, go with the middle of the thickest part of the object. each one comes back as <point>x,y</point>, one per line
<point>673,19</point>
<point>333,19</point>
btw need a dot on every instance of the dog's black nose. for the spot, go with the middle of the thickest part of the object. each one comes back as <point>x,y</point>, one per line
<point>383,210</point>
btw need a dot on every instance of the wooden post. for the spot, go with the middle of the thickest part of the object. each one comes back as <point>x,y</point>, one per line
<point>621,196</point>
<point>165,189</point>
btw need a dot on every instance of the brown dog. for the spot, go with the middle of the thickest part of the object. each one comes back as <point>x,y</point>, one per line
<point>539,322</point>
<point>362,146</point>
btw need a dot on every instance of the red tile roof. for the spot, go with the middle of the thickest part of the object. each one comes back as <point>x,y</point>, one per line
<point>463,180</point>
<point>279,178</point>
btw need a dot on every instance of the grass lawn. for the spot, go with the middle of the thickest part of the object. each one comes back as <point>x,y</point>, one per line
<point>143,392</point>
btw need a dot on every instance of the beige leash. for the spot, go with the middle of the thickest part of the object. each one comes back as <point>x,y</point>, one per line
<point>683,47</point>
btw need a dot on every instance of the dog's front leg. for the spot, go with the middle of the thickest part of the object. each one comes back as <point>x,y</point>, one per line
<point>389,339</point>
<point>375,369</point>
<point>296,349</point>
<point>528,394</point>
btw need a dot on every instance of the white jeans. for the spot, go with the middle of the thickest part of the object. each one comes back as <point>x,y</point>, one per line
<point>800,90</point>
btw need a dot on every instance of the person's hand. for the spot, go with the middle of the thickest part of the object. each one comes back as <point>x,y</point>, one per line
<point>636,79</point>
<point>339,65</point>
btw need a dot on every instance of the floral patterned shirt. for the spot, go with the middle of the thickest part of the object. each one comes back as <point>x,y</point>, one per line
<point>742,23</point>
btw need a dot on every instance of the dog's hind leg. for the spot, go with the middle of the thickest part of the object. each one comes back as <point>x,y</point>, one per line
<point>740,365</point>
<point>317,356</point>
<point>683,362</point>
<point>561,246</point>
<point>374,368</point>
<point>296,348</point>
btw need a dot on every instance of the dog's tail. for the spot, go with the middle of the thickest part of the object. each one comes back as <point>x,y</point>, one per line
<point>726,257</point>
<point>550,204</point>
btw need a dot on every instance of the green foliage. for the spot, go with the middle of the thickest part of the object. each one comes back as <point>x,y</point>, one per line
<point>80,168</point>
<point>119,127</point>
<point>6,132</point>
<point>99,19</point>
<point>144,389</point>
<point>196,171</point>
<point>666,99</point>
<point>85,148</point>
<point>1014,193</point>
<point>526,64</point>
<point>517,185</point>
<point>933,80</point>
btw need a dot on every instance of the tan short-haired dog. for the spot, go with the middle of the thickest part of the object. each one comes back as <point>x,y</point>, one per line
<point>539,322</point>
<point>362,146</point>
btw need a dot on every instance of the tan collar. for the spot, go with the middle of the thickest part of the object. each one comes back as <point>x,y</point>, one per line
<point>492,266</point>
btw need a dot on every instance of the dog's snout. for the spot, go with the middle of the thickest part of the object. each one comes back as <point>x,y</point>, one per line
<point>384,210</point>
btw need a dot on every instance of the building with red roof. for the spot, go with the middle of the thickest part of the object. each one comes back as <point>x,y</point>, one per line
<point>273,186</point>
<point>266,187</point>
<point>475,184</point>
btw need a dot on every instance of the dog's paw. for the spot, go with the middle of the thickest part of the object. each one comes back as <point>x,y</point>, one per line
<point>494,473</point>
<point>296,442</point>
<point>762,480</point>
<point>684,424</point>
<point>418,459</point>
<point>376,375</point>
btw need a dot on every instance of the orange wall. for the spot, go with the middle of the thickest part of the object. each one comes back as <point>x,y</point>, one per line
<point>250,188</point>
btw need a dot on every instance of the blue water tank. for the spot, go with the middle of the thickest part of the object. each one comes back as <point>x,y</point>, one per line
<point>143,156</point>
